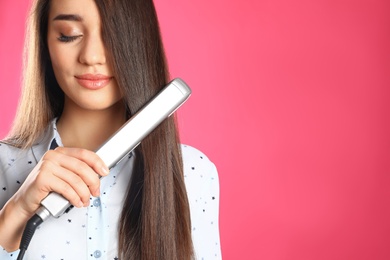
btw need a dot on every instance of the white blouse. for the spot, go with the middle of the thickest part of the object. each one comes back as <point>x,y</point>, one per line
<point>91,232</point>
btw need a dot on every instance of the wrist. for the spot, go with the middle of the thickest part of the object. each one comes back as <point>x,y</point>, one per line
<point>12,222</point>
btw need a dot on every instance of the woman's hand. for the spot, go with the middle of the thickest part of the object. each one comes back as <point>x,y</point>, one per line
<point>72,172</point>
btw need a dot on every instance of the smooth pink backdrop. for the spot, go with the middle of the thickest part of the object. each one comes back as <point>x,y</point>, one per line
<point>291,102</point>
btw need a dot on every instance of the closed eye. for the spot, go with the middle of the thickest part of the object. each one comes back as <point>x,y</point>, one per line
<point>64,38</point>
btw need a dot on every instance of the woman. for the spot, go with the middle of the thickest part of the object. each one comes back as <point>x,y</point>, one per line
<point>91,65</point>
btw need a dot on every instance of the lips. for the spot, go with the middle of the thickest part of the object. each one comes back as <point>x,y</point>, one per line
<point>93,81</point>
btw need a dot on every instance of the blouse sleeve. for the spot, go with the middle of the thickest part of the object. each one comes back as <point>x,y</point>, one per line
<point>4,255</point>
<point>202,184</point>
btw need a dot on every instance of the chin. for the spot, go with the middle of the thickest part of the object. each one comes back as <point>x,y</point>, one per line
<point>95,103</point>
<point>100,106</point>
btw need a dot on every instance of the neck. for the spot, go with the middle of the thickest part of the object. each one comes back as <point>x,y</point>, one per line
<point>90,129</point>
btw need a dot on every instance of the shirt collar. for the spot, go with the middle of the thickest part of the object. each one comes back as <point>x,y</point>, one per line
<point>44,142</point>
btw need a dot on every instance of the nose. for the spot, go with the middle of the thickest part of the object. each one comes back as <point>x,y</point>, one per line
<point>93,50</point>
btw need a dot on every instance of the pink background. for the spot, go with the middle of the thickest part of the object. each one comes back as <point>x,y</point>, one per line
<point>291,102</point>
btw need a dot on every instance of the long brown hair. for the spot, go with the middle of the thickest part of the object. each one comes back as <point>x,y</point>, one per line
<point>155,220</point>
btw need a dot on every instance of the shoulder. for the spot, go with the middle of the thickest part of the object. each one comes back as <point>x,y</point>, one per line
<point>193,157</point>
<point>14,160</point>
<point>200,177</point>
<point>197,166</point>
<point>10,154</point>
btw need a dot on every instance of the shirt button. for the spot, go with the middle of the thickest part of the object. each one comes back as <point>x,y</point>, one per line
<point>97,254</point>
<point>96,202</point>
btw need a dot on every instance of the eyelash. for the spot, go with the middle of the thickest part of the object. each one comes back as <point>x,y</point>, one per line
<point>64,38</point>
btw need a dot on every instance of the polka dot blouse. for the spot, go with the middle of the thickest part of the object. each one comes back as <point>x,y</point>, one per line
<point>91,232</point>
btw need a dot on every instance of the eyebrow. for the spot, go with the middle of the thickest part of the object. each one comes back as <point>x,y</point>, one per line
<point>68,17</point>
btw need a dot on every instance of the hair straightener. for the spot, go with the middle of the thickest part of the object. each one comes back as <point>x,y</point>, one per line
<point>121,143</point>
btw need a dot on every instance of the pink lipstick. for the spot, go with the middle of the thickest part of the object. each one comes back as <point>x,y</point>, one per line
<point>93,81</point>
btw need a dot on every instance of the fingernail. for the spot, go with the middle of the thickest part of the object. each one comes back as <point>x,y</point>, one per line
<point>80,204</point>
<point>105,171</point>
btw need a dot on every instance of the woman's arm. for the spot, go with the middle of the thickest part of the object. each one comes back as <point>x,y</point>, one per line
<point>71,172</point>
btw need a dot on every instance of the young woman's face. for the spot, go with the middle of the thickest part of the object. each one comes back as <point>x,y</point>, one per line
<point>78,55</point>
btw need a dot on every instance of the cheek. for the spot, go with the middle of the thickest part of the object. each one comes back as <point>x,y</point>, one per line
<point>59,59</point>
<point>62,58</point>
<point>62,68</point>
<point>58,68</point>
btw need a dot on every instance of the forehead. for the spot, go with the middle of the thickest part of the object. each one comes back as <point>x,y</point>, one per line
<point>85,9</point>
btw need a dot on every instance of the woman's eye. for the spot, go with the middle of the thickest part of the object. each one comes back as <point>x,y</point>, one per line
<point>64,38</point>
